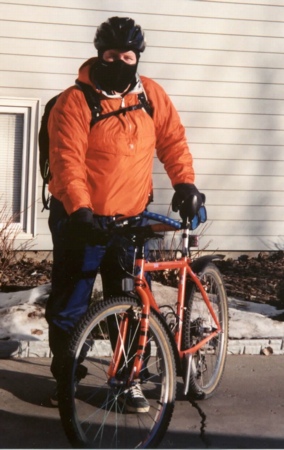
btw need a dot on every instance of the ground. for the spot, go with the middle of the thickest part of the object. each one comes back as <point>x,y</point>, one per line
<point>258,279</point>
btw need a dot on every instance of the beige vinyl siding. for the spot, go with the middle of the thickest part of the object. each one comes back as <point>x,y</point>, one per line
<point>222,64</point>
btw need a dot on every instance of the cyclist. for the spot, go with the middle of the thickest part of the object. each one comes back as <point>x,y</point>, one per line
<point>105,172</point>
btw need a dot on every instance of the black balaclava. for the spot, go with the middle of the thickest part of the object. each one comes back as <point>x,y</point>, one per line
<point>114,75</point>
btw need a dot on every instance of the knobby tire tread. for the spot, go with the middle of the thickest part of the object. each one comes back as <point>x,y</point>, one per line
<point>65,403</point>
<point>195,391</point>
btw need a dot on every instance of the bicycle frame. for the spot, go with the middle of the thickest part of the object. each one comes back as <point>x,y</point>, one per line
<point>148,301</point>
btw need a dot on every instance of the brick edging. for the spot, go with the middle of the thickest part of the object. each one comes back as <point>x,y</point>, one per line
<point>28,349</point>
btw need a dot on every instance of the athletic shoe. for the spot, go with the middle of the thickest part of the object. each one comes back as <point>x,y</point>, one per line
<point>134,401</point>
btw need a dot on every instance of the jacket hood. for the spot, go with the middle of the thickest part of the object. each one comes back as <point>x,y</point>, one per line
<point>84,71</point>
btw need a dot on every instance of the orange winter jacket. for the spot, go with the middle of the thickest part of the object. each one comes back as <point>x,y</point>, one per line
<point>109,168</point>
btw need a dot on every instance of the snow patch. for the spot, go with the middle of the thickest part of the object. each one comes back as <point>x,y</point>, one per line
<point>22,315</point>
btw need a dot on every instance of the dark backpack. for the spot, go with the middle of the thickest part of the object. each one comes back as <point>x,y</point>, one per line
<point>93,101</point>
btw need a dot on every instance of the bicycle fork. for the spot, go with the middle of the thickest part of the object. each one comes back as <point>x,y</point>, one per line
<point>119,351</point>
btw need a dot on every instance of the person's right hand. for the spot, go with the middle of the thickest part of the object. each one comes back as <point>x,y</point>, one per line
<point>81,221</point>
<point>84,229</point>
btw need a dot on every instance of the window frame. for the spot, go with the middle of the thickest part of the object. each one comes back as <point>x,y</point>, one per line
<point>27,226</point>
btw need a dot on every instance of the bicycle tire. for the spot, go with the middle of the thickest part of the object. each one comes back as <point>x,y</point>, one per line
<point>93,415</point>
<point>208,363</point>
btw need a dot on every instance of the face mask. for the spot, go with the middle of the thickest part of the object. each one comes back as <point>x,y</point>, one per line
<point>115,75</point>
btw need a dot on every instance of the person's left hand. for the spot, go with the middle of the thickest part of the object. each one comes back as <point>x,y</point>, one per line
<point>187,200</point>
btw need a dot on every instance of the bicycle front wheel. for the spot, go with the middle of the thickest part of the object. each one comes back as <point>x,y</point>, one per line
<point>93,411</point>
<point>207,363</point>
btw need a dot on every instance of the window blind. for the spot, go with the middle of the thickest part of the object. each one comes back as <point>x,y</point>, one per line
<point>11,156</point>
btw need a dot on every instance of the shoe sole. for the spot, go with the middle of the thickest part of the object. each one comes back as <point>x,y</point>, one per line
<point>132,409</point>
<point>53,402</point>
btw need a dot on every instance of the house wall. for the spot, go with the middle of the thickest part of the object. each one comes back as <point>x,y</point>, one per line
<point>222,64</point>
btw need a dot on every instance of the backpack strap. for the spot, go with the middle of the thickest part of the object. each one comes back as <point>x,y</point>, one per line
<point>144,101</point>
<point>43,141</point>
<point>92,98</point>
<point>115,113</point>
<point>44,150</point>
<point>93,101</point>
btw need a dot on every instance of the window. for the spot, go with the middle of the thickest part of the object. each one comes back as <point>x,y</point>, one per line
<point>18,162</point>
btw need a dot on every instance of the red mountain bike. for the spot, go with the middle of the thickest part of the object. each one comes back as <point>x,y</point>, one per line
<point>130,338</point>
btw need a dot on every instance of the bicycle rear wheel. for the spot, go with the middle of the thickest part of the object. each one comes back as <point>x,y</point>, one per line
<point>209,362</point>
<point>93,412</point>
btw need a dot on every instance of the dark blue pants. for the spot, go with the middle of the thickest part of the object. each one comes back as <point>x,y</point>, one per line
<point>73,274</point>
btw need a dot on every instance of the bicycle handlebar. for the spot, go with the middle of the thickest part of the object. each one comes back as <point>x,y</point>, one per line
<point>200,217</point>
<point>166,223</point>
<point>127,226</point>
<point>169,224</point>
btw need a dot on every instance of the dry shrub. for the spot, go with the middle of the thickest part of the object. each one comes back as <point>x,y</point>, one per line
<point>10,251</point>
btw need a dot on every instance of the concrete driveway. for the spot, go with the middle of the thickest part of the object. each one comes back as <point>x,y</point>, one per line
<point>246,412</point>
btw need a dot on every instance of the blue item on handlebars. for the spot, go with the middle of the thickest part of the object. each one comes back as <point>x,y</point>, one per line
<point>163,219</point>
<point>199,218</point>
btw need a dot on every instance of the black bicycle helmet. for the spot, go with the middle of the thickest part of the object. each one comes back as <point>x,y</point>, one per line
<point>119,33</point>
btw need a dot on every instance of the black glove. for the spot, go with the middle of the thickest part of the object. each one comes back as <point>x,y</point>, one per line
<point>81,220</point>
<point>84,228</point>
<point>187,200</point>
